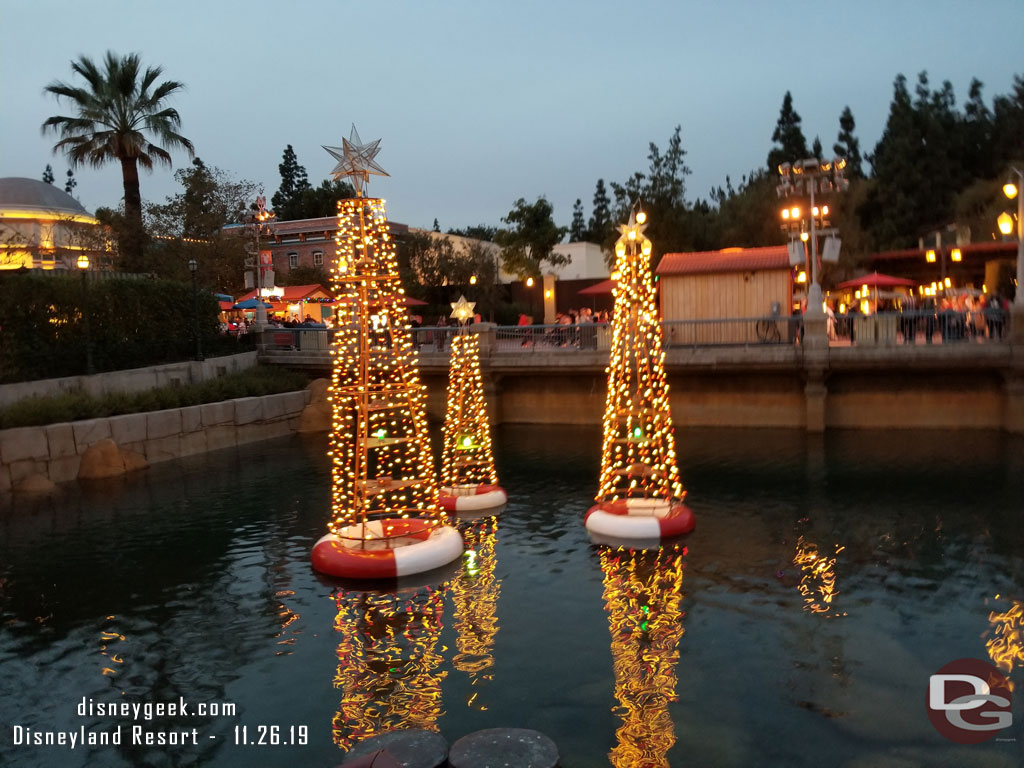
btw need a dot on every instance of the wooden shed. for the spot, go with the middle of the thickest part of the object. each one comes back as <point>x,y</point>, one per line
<point>701,289</point>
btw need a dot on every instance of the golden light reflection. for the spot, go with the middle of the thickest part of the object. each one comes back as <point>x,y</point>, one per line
<point>642,594</point>
<point>475,592</point>
<point>287,617</point>
<point>818,580</point>
<point>388,661</point>
<point>1006,646</point>
<point>109,644</point>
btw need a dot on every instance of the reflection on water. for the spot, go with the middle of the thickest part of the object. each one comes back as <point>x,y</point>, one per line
<point>818,579</point>
<point>475,590</point>
<point>388,662</point>
<point>642,592</point>
<point>1006,646</point>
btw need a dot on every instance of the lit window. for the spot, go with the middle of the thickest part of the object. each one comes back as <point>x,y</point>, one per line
<point>293,260</point>
<point>318,258</point>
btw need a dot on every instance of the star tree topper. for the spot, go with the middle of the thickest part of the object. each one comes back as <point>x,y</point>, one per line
<point>462,310</point>
<point>356,159</point>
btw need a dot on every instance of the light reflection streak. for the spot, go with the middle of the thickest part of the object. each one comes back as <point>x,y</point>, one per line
<point>642,593</point>
<point>286,616</point>
<point>107,639</point>
<point>1006,646</point>
<point>388,662</point>
<point>818,581</point>
<point>475,592</point>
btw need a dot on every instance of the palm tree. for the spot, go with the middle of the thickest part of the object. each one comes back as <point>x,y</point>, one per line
<point>119,116</point>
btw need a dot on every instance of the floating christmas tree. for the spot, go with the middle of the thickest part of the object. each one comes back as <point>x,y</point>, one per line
<point>388,662</point>
<point>386,520</point>
<point>475,590</point>
<point>640,494</point>
<point>642,594</point>
<point>468,478</point>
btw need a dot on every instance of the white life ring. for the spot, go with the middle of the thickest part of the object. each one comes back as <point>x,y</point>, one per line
<point>640,519</point>
<point>414,546</point>
<point>471,498</point>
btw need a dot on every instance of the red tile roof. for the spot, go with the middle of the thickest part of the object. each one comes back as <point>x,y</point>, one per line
<point>726,260</point>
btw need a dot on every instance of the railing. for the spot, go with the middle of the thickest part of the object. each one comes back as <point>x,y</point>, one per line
<point>881,329</point>
<point>947,326</point>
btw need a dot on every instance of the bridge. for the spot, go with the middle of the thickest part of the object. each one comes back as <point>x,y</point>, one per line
<point>730,373</point>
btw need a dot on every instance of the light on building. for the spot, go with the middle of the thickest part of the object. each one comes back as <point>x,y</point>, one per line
<point>83,261</point>
<point>1010,189</point>
<point>930,256</point>
<point>948,282</point>
<point>804,236</point>
<point>801,277</point>
<point>472,279</point>
<point>547,294</point>
<point>529,282</point>
<point>956,255</point>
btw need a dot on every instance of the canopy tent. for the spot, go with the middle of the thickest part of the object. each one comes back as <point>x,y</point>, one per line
<point>877,280</point>
<point>249,304</point>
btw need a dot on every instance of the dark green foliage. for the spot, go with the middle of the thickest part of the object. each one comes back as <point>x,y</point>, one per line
<point>530,239</point>
<point>600,225</point>
<point>318,202</point>
<point>132,323</point>
<point>74,406</point>
<point>790,143</point>
<point>48,176</point>
<point>71,183</point>
<point>848,146</point>
<point>476,232</point>
<point>294,181</point>
<point>578,227</point>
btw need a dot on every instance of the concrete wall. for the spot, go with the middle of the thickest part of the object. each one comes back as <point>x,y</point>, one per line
<point>133,380</point>
<point>56,450</point>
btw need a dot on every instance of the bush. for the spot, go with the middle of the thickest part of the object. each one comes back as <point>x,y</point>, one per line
<point>74,406</point>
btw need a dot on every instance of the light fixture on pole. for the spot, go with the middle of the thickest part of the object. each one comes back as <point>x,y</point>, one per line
<point>811,177</point>
<point>193,265</point>
<point>83,267</point>
<point>1012,190</point>
<point>261,223</point>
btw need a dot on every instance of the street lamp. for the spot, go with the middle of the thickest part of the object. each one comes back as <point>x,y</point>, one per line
<point>193,265</point>
<point>811,177</point>
<point>1012,190</point>
<point>83,267</point>
<point>261,225</point>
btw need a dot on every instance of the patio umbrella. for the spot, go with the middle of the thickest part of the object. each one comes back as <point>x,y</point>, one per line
<point>876,280</point>
<point>605,286</point>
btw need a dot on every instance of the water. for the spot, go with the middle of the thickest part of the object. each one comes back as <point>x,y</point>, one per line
<point>827,579</point>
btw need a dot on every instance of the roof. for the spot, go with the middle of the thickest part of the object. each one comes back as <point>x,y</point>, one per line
<point>292,293</point>
<point>21,194</point>
<point>726,260</point>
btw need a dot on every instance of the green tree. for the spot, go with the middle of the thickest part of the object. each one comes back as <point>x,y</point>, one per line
<point>322,201</point>
<point>788,137</point>
<point>816,149</point>
<point>437,227</point>
<point>70,183</point>
<point>976,134</point>
<point>294,182</point>
<point>476,232</point>
<point>1008,126</point>
<point>578,228</point>
<point>848,146</point>
<point>600,216</point>
<point>194,224</point>
<point>121,115</point>
<point>528,243</point>
<point>48,176</point>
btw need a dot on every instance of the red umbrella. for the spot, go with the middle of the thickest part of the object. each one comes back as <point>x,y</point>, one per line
<point>605,286</point>
<point>876,280</point>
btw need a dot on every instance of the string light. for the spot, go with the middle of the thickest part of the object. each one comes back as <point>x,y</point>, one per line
<point>467,458</point>
<point>638,457</point>
<point>381,462</point>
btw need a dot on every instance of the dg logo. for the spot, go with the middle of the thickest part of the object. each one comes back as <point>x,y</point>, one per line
<point>969,701</point>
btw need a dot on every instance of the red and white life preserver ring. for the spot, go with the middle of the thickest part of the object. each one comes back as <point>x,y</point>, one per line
<point>414,547</point>
<point>471,498</point>
<point>640,519</point>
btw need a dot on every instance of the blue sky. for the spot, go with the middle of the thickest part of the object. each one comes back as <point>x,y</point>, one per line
<point>480,103</point>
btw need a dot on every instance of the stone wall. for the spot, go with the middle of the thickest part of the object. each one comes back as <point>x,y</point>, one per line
<point>55,451</point>
<point>133,380</point>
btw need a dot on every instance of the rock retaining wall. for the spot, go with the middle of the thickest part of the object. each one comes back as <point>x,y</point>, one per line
<point>55,451</point>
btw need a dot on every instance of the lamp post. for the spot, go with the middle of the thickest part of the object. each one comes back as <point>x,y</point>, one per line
<point>261,225</point>
<point>193,265</point>
<point>811,176</point>
<point>83,267</point>
<point>1012,190</point>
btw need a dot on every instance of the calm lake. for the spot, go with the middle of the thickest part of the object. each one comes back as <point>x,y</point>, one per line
<point>828,578</point>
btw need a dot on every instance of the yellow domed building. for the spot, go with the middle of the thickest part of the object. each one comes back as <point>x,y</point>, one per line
<point>43,227</point>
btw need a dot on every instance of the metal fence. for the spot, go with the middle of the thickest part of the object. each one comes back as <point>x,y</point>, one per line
<point>989,325</point>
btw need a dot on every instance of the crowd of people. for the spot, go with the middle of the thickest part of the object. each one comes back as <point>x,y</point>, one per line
<point>956,317</point>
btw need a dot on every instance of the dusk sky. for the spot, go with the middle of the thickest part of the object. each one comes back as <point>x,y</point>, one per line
<point>480,103</point>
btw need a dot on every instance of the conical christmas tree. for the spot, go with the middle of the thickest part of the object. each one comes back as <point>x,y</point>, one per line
<point>640,494</point>
<point>468,478</point>
<point>386,520</point>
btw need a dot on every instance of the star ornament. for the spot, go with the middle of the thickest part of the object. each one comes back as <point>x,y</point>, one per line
<point>462,310</point>
<point>356,160</point>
